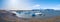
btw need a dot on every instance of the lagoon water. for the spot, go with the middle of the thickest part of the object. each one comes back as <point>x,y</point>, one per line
<point>46,14</point>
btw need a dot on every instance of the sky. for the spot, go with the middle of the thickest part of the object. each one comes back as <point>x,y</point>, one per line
<point>29,4</point>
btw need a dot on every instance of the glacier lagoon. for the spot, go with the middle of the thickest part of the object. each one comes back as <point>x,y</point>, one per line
<point>37,13</point>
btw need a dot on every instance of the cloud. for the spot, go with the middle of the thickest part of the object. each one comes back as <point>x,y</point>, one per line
<point>56,8</point>
<point>52,8</point>
<point>17,5</point>
<point>37,6</point>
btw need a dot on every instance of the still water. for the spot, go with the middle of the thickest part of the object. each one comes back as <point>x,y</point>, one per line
<point>44,14</point>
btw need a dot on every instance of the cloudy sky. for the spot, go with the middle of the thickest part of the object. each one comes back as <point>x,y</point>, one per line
<point>29,4</point>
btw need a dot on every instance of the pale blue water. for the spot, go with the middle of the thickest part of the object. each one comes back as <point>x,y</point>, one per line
<point>29,14</point>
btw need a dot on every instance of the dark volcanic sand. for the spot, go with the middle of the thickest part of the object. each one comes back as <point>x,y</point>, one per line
<point>9,17</point>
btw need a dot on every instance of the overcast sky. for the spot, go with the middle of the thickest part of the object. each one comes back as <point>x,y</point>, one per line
<point>29,4</point>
